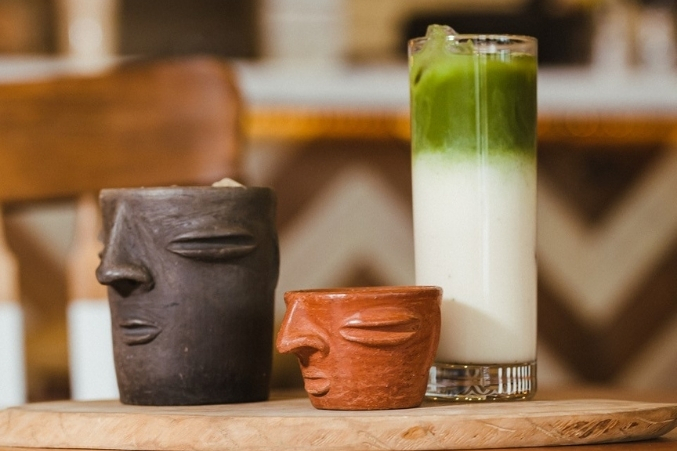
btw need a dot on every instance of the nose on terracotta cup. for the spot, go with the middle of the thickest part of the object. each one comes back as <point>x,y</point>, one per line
<point>191,275</point>
<point>363,348</point>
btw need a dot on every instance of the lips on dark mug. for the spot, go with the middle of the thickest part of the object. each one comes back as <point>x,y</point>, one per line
<point>191,275</point>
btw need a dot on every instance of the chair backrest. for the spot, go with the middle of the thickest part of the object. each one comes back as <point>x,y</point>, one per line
<point>140,123</point>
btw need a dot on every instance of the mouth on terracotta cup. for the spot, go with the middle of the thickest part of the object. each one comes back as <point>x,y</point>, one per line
<point>315,383</point>
<point>377,344</point>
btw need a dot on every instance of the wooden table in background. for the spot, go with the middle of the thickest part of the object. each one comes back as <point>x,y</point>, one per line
<point>576,105</point>
<point>307,124</point>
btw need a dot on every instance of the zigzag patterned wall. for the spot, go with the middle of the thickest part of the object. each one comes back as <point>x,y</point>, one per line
<point>607,248</point>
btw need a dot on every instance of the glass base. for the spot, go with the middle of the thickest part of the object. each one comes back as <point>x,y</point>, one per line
<point>494,382</point>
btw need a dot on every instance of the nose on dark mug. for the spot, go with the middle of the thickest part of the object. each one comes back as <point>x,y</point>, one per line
<point>191,275</point>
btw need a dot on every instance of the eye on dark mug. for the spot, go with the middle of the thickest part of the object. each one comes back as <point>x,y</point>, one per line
<point>191,275</point>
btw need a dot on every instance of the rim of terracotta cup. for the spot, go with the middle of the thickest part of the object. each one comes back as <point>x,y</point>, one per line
<point>375,291</point>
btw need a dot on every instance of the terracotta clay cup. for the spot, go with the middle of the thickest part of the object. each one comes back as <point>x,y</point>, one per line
<point>191,275</point>
<point>363,348</point>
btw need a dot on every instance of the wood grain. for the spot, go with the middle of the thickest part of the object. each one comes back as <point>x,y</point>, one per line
<point>294,424</point>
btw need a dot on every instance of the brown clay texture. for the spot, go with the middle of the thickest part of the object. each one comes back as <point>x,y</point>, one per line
<point>363,348</point>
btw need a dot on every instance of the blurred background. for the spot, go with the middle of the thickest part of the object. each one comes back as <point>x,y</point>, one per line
<point>607,243</point>
<point>346,30</point>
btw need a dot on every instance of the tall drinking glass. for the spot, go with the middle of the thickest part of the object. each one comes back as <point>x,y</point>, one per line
<point>473,124</point>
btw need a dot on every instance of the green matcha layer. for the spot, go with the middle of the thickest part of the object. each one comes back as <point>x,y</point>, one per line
<point>465,102</point>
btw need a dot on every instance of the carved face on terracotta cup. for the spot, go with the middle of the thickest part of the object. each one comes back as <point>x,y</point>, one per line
<point>191,275</point>
<point>363,348</point>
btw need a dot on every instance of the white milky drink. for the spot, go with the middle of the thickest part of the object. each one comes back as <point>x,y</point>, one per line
<point>475,229</point>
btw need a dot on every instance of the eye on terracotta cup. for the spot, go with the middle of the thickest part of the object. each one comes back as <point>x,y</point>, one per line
<point>191,275</point>
<point>363,348</point>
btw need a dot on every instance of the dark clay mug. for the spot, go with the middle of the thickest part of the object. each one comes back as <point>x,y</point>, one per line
<point>191,275</point>
<point>363,348</point>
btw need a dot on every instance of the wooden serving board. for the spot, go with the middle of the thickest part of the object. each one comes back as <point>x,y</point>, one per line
<point>294,424</point>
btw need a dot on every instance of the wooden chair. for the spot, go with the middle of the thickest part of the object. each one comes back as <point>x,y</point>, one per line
<point>144,123</point>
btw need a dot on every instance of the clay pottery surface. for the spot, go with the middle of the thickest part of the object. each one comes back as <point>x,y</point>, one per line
<point>191,275</point>
<point>363,348</point>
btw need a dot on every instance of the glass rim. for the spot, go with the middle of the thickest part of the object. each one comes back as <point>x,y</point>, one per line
<point>501,42</point>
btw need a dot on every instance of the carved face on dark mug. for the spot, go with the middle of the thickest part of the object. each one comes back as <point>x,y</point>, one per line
<point>363,348</point>
<point>191,275</point>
